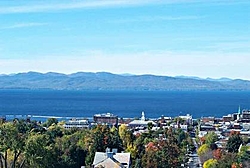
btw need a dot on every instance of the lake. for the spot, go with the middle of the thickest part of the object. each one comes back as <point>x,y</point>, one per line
<point>126,104</point>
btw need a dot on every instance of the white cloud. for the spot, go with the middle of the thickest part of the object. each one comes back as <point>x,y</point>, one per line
<point>47,6</point>
<point>158,18</point>
<point>24,25</point>
<point>230,46</point>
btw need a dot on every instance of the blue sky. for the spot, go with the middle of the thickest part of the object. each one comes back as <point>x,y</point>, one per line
<point>205,38</point>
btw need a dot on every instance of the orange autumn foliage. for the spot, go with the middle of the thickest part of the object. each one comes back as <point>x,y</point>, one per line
<point>217,154</point>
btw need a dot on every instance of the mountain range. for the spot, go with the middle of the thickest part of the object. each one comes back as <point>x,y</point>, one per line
<point>109,81</point>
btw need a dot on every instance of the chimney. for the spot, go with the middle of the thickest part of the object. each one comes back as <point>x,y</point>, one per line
<point>110,154</point>
<point>114,150</point>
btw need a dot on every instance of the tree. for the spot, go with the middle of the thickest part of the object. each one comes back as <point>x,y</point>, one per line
<point>96,140</point>
<point>234,143</point>
<point>205,153</point>
<point>11,144</point>
<point>211,138</point>
<point>226,160</point>
<point>39,152</point>
<point>211,163</point>
<point>68,150</point>
<point>150,126</point>
<point>151,159</point>
<point>54,131</point>
<point>217,154</point>
<point>244,155</point>
<point>203,149</point>
<point>126,135</point>
<point>114,140</point>
<point>50,121</point>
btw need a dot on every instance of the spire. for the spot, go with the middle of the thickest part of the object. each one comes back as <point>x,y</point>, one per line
<point>142,116</point>
<point>238,116</point>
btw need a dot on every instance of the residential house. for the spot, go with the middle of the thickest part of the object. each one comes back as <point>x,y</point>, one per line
<point>112,159</point>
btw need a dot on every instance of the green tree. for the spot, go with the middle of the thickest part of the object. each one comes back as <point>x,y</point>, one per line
<point>55,131</point>
<point>96,140</point>
<point>234,143</point>
<point>114,140</point>
<point>244,155</point>
<point>50,122</point>
<point>11,145</point>
<point>39,152</point>
<point>211,137</point>
<point>69,151</point>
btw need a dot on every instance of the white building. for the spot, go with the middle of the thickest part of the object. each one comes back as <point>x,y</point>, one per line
<point>141,123</point>
<point>77,123</point>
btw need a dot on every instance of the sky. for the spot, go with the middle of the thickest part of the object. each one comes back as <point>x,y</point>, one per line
<point>203,38</point>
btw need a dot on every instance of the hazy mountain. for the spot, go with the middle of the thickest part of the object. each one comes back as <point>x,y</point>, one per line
<point>109,81</point>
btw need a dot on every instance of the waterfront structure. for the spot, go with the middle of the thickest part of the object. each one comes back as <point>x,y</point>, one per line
<point>77,123</point>
<point>107,119</point>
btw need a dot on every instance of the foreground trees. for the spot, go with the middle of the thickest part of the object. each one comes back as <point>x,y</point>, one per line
<point>236,154</point>
<point>24,144</point>
<point>12,142</point>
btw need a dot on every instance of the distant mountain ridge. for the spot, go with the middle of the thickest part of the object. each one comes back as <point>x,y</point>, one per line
<point>109,81</point>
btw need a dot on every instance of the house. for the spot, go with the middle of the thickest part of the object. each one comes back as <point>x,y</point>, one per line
<point>112,159</point>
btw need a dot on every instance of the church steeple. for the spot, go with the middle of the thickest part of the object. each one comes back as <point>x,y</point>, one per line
<point>238,115</point>
<point>143,116</point>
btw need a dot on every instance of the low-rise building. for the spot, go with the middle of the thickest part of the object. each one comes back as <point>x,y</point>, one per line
<point>77,123</point>
<point>246,114</point>
<point>112,159</point>
<point>227,118</point>
<point>188,119</point>
<point>107,119</point>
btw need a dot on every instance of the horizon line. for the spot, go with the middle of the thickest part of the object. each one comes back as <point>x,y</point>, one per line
<point>124,74</point>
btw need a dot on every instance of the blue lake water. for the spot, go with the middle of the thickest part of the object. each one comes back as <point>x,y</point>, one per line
<point>122,103</point>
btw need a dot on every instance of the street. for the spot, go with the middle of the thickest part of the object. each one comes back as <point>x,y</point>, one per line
<point>194,160</point>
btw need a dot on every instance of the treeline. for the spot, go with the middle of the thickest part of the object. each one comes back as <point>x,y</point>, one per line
<point>28,144</point>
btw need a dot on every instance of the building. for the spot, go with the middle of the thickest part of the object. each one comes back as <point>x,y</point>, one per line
<point>229,117</point>
<point>207,120</point>
<point>187,118</point>
<point>141,123</point>
<point>107,119</point>
<point>112,159</point>
<point>246,114</point>
<point>77,123</point>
